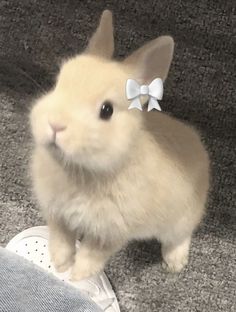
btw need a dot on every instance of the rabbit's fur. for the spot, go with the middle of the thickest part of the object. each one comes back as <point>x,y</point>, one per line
<point>138,175</point>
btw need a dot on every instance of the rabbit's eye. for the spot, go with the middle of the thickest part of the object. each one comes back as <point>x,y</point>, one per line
<point>106,110</point>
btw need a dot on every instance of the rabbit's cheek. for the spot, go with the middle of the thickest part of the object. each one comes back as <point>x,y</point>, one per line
<point>48,135</point>
<point>65,143</point>
<point>42,132</point>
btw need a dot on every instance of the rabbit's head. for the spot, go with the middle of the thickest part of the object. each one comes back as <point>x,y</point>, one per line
<point>85,117</point>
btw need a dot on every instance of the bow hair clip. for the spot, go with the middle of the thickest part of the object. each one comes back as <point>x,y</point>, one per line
<point>154,91</point>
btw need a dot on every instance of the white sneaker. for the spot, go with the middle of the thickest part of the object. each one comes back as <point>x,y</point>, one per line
<point>32,244</point>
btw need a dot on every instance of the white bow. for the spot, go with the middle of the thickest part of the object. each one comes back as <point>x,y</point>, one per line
<point>154,91</point>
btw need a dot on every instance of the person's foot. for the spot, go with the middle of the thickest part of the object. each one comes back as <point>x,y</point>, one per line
<point>32,244</point>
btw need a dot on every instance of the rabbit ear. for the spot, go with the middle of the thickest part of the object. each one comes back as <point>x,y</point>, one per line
<point>152,60</point>
<point>102,41</point>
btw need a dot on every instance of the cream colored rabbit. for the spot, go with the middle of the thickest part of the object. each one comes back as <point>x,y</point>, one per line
<point>107,174</point>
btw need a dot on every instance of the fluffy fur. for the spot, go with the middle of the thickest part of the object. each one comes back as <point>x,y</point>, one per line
<point>136,176</point>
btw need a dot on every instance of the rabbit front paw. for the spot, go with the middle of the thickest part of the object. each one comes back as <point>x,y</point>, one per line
<point>88,262</point>
<point>62,256</point>
<point>176,265</point>
<point>175,256</point>
<point>84,268</point>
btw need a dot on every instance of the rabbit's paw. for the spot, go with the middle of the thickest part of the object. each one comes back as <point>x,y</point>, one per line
<point>175,265</point>
<point>175,257</point>
<point>85,267</point>
<point>62,256</point>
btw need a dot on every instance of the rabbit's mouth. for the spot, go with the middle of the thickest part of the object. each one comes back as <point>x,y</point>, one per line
<point>55,149</point>
<point>54,146</point>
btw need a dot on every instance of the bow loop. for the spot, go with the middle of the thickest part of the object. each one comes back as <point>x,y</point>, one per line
<point>132,89</point>
<point>154,90</point>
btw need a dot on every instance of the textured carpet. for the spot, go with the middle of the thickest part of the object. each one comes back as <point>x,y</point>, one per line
<point>36,35</point>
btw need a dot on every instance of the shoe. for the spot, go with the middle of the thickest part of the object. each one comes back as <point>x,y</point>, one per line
<point>32,244</point>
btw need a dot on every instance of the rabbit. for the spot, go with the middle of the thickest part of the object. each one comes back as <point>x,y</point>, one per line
<point>109,175</point>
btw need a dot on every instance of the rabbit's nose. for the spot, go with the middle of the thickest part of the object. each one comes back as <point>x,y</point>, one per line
<point>56,127</point>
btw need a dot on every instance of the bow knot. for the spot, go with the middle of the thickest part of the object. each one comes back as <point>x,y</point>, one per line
<point>154,90</point>
<point>144,90</point>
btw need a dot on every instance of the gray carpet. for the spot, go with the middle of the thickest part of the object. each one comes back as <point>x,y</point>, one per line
<point>36,35</point>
